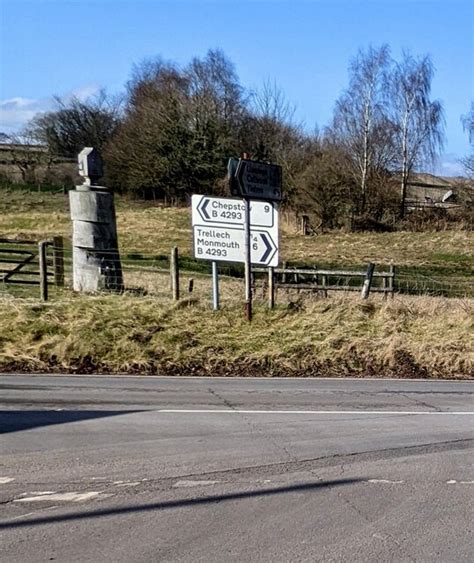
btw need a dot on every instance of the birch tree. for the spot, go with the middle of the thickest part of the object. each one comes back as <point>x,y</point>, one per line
<point>418,121</point>
<point>359,117</point>
<point>468,125</point>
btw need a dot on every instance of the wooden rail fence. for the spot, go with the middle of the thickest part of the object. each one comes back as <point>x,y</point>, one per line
<point>25,262</point>
<point>324,280</point>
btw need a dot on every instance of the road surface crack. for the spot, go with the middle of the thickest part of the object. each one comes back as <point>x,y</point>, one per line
<point>253,426</point>
<point>420,403</point>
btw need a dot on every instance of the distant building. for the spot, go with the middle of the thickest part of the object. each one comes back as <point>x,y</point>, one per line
<point>428,191</point>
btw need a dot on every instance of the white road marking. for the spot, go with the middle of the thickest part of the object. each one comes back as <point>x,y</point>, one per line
<point>68,497</point>
<point>454,482</point>
<point>126,483</point>
<point>5,480</point>
<point>385,481</point>
<point>31,513</point>
<point>186,483</point>
<point>240,411</point>
<point>38,493</point>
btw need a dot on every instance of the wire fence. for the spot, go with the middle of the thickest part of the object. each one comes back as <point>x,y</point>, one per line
<point>148,273</point>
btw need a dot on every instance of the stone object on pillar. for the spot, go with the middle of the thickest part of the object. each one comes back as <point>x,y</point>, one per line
<point>96,259</point>
<point>91,167</point>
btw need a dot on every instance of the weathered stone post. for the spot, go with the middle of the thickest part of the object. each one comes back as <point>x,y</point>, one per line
<point>96,259</point>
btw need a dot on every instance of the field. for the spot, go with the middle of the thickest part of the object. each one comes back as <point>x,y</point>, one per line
<point>154,230</point>
<point>306,335</point>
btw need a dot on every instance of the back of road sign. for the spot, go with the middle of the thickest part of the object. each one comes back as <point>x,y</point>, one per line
<point>255,180</point>
<point>218,230</point>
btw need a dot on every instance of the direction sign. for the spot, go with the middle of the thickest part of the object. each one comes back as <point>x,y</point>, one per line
<point>219,235</point>
<point>257,180</point>
<point>226,211</point>
<point>227,245</point>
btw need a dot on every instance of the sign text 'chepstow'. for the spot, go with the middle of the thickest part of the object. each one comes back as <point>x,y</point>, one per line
<point>226,211</point>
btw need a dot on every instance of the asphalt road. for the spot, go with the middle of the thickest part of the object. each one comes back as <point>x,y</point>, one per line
<point>128,469</point>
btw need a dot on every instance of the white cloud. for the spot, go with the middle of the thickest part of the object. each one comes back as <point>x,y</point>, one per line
<point>16,112</point>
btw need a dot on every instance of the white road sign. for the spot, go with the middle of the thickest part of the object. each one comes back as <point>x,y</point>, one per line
<point>218,230</point>
<point>227,211</point>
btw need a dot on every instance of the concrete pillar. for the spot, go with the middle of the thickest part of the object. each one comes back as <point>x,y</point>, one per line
<point>96,259</point>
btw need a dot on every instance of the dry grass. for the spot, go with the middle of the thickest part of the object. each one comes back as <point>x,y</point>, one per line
<point>304,335</point>
<point>154,230</point>
<point>405,337</point>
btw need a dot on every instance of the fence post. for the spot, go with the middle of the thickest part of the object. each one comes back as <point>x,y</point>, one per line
<point>271,288</point>
<point>58,261</point>
<point>368,281</point>
<point>324,284</point>
<point>43,270</point>
<point>174,273</point>
<point>391,281</point>
<point>304,224</point>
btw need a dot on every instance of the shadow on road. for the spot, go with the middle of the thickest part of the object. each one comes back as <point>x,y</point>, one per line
<point>15,421</point>
<point>303,488</point>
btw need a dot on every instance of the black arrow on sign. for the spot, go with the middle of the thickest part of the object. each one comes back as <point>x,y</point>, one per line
<point>269,249</point>
<point>204,213</point>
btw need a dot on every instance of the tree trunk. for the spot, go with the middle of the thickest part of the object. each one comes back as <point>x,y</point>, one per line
<point>405,171</point>
<point>365,164</point>
<point>403,193</point>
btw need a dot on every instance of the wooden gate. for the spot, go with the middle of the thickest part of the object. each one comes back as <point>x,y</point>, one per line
<point>25,262</point>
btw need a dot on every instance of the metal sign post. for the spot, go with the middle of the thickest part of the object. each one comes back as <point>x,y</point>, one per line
<point>215,286</point>
<point>248,262</point>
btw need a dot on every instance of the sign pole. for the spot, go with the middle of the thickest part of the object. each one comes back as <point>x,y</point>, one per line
<point>248,262</point>
<point>215,286</point>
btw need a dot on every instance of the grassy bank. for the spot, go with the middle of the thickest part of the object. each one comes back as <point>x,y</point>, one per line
<point>404,337</point>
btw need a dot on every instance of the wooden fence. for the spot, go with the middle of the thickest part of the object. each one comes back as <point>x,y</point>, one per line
<point>26,262</point>
<point>323,281</point>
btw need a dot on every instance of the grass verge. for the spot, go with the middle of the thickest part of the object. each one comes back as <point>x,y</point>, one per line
<point>342,336</point>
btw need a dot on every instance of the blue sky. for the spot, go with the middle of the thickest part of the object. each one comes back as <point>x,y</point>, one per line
<point>59,47</point>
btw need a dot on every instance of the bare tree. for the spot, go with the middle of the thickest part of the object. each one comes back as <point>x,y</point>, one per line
<point>148,153</point>
<point>468,125</point>
<point>214,89</point>
<point>272,134</point>
<point>360,124</point>
<point>418,121</point>
<point>76,123</point>
<point>28,156</point>
<point>271,126</point>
